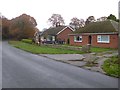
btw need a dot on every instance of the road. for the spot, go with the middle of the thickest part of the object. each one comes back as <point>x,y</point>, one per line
<point>21,69</point>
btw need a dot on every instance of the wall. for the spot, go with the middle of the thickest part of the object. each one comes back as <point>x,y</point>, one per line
<point>64,34</point>
<point>84,41</point>
<point>113,41</point>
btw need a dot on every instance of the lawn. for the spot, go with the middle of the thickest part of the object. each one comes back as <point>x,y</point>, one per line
<point>97,49</point>
<point>51,50</point>
<point>111,66</point>
<point>94,49</point>
<point>41,49</point>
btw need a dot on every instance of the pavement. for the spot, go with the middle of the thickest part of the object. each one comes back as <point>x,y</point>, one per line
<point>21,69</point>
<point>73,59</point>
<point>81,60</point>
<point>64,57</point>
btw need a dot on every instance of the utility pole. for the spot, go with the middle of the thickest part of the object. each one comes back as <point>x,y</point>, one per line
<point>119,41</point>
<point>119,30</point>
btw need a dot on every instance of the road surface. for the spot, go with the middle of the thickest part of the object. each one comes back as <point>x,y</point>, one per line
<point>21,69</point>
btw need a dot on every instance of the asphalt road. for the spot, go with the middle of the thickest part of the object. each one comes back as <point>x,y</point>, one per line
<point>21,69</point>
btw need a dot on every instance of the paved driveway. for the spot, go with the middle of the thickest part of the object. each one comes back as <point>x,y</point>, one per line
<point>64,57</point>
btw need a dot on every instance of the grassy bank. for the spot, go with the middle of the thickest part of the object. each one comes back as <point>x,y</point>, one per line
<point>111,66</point>
<point>42,49</point>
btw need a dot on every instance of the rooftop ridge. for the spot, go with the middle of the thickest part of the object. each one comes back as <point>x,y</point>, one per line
<point>114,24</point>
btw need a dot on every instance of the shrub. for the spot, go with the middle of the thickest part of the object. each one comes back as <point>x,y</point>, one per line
<point>27,41</point>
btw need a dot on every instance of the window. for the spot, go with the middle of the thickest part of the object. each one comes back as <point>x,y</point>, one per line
<point>103,39</point>
<point>77,38</point>
<point>53,38</point>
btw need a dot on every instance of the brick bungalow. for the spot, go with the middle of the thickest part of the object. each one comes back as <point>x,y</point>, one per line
<point>98,34</point>
<point>57,34</point>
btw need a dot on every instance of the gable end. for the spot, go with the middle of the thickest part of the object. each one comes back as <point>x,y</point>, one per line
<point>64,29</point>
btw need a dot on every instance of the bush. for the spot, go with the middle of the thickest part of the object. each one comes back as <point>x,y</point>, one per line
<point>27,41</point>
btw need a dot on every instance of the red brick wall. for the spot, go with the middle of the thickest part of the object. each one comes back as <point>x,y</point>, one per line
<point>64,34</point>
<point>113,41</point>
<point>84,41</point>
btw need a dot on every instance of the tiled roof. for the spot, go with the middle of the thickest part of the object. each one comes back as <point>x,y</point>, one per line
<point>53,31</point>
<point>99,27</point>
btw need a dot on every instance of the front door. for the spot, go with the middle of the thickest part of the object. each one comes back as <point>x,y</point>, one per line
<point>90,39</point>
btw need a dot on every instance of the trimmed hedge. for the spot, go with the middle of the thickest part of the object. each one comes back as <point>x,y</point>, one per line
<point>27,41</point>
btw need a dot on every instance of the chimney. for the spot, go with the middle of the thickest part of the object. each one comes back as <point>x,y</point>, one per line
<point>57,24</point>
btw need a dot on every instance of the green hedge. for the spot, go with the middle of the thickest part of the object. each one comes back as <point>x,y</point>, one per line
<point>27,41</point>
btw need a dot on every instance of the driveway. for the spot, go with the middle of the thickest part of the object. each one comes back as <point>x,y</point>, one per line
<point>21,69</point>
<point>64,57</point>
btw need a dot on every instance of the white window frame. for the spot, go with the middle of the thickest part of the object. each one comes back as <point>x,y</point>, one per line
<point>75,39</point>
<point>99,39</point>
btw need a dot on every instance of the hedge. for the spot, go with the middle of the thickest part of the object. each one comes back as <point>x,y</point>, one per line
<point>27,41</point>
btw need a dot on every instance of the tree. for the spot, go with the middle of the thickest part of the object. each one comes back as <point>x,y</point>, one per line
<point>77,23</point>
<point>22,27</point>
<point>82,23</point>
<point>104,18</point>
<point>5,27</point>
<point>118,20</point>
<point>89,20</point>
<point>112,17</point>
<point>56,20</point>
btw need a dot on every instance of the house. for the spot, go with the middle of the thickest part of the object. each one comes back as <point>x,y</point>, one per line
<point>57,34</point>
<point>98,34</point>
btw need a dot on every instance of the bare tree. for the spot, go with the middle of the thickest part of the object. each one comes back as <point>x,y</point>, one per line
<point>90,19</point>
<point>104,18</point>
<point>77,23</point>
<point>82,23</point>
<point>56,20</point>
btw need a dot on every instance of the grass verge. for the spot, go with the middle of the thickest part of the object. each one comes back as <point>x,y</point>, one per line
<point>41,49</point>
<point>94,49</point>
<point>111,66</point>
<point>97,49</point>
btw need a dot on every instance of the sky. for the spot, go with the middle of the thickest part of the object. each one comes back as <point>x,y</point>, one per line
<point>42,10</point>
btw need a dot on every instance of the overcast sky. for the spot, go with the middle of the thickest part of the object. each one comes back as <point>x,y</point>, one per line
<point>41,10</point>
